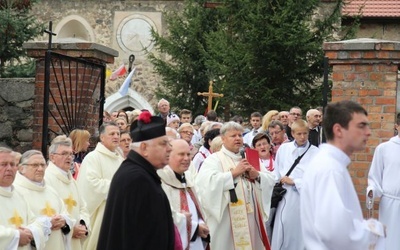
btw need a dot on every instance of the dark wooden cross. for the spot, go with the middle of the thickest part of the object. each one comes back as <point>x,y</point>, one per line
<point>210,94</point>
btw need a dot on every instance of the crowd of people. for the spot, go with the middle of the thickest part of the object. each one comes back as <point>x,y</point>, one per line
<point>168,181</point>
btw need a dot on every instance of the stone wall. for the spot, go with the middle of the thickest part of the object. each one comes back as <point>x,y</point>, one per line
<point>16,113</point>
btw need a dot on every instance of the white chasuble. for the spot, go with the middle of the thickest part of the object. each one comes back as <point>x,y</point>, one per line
<point>14,213</point>
<point>94,179</point>
<point>45,203</point>
<point>213,183</point>
<point>67,190</point>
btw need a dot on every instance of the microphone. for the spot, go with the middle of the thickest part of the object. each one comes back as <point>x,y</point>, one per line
<point>242,153</point>
<point>232,192</point>
<point>243,150</point>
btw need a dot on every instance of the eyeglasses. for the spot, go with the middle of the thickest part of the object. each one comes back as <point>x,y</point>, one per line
<point>187,132</point>
<point>6,164</point>
<point>36,165</point>
<point>295,114</point>
<point>64,154</point>
<point>275,132</point>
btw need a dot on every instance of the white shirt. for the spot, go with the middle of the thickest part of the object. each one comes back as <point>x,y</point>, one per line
<point>383,181</point>
<point>330,211</point>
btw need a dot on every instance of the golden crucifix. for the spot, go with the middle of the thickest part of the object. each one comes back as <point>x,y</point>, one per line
<point>210,94</point>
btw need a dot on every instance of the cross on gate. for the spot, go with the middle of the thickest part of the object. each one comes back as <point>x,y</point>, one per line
<point>210,94</point>
<point>51,34</point>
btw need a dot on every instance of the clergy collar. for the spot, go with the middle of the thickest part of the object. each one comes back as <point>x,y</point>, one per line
<point>8,189</point>
<point>63,172</point>
<point>40,184</point>
<point>181,177</point>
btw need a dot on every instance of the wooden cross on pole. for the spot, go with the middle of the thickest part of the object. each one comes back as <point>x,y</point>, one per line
<point>210,94</point>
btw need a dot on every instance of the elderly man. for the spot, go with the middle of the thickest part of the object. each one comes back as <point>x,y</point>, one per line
<point>277,133</point>
<point>163,108</point>
<point>18,228</point>
<point>138,213</point>
<point>59,177</point>
<point>43,200</point>
<point>330,212</point>
<point>97,170</point>
<point>178,185</point>
<point>316,135</point>
<point>236,197</point>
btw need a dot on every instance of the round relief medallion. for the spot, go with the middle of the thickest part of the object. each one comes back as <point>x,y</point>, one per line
<point>134,34</point>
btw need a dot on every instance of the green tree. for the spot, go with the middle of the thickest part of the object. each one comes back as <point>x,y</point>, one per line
<point>184,73</point>
<point>263,54</point>
<point>16,27</point>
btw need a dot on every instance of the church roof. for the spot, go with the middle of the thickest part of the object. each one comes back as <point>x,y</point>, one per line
<point>372,8</point>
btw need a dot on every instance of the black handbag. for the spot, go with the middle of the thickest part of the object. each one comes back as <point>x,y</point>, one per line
<point>279,191</point>
<point>277,194</point>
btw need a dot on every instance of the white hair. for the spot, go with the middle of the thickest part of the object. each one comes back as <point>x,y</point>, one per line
<point>161,101</point>
<point>136,145</point>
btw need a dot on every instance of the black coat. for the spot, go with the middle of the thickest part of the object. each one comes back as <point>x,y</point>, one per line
<point>138,213</point>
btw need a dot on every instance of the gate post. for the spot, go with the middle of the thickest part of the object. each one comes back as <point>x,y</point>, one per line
<point>89,51</point>
<point>366,71</point>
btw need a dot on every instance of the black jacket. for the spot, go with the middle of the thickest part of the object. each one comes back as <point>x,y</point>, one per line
<point>138,213</point>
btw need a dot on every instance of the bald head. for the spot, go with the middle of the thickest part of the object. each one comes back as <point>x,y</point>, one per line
<point>179,159</point>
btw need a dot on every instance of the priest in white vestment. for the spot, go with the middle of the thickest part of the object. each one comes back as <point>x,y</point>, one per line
<point>330,212</point>
<point>383,182</point>
<point>235,196</point>
<point>19,229</point>
<point>59,177</point>
<point>43,199</point>
<point>286,232</point>
<point>178,185</point>
<point>96,172</point>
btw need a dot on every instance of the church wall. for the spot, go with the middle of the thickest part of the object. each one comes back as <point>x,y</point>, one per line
<point>105,18</point>
<point>377,30</point>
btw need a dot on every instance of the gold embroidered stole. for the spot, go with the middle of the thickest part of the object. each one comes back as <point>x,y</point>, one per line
<point>238,211</point>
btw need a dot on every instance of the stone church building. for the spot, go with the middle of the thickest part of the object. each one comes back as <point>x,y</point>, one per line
<point>125,26</point>
<point>121,25</point>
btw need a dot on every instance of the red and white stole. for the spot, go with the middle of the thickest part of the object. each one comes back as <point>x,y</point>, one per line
<point>185,207</point>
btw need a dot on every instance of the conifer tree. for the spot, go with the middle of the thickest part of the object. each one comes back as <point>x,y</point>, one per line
<point>16,27</point>
<point>262,54</point>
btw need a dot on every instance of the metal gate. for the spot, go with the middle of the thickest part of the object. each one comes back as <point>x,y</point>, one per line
<point>73,96</point>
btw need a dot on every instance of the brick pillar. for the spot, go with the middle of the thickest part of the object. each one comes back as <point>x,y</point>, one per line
<point>365,71</point>
<point>85,50</point>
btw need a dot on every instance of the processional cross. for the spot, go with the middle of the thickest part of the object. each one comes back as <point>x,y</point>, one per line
<point>210,94</point>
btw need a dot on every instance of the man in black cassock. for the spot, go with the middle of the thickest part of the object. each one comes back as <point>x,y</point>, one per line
<point>138,214</point>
